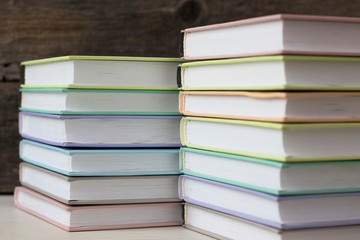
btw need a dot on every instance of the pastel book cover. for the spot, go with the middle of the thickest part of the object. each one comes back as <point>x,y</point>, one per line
<point>276,73</point>
<point>224,226</point>
<point>277,178</point>
<point>97,217</point>
<point>97,190</point>
<point>284,34</point>
<point>284,142</point>
<point>99,101</point>
<point>100,72</point>
<point>101,162</point>
<point>273,106</point>
<point>281,212</point>
<point>101,130</point>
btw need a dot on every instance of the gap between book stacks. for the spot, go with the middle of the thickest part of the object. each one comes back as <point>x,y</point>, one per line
<point>258,139</point>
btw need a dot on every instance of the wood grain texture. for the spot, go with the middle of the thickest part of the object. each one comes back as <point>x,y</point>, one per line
<point>33,29</point>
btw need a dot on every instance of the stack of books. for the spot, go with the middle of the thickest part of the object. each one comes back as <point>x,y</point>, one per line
<point>101,142</point>
<point>271,136</point>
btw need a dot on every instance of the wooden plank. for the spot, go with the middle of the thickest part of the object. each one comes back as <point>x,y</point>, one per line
<point>36,29</point>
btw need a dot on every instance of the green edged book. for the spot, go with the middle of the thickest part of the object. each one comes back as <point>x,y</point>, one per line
<point>110,72</point>
<point>277,178</point>
<point>280,72</point>
<point>287,142</point>
<point>99,101</point>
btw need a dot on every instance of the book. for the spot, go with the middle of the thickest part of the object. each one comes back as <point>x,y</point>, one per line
<point>99,190</point>
<point>279,72</point>
<point>225,226</point>
<point>101,162</point>
<point>114,72</point>
<point>284,34</point>
<point>287,142</point>
<point>101,130</point>
<point>101,102</point>
<point>97,217</point>
<point>281,212</point>
<point>273,106</point>
<point>277,178</point>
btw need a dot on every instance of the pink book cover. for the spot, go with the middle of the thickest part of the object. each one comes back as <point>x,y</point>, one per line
<point>175,221</point>
<point>262,19</point>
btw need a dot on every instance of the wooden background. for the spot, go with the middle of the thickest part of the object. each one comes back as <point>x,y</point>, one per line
<point>32,29</point>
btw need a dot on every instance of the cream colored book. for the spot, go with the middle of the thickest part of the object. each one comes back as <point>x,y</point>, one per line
<point>288,142</point>
<point>277,73</point>
<point>106,72</point>
<point>273,106</point>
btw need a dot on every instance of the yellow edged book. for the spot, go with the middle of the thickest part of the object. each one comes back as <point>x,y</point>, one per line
<point>106,72</point>
<point>287,142</point>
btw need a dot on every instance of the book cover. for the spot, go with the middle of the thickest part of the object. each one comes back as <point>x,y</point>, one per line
<point>286,142</point>
<point>100,72</point>
<point>165,136</point>
<point>69,101</point>
<point>225,226</point>
<point>318,31</point>
<point>272,106</point>
<point>276,178</point>
<point>278,72</point>
<point>100,162</point>
<point>99,217</point>
<point>91,190</point>
<point>282,204</point>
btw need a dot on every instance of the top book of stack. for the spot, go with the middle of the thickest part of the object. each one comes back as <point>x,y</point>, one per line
<point>274,34</point>
<point>101,72</point>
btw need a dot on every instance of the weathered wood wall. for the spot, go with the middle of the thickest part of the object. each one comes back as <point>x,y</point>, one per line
<point>32,29</point>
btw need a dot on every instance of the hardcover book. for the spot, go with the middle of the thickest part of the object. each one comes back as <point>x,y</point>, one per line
<point>98,217</point>
<point>277,178</point>
<point>99,102</point>
<point>288,142</point>
<point>101,162</point>
<point>274,34</point>
<point>281,72</point>
<point>281,212</point>
<point>100,130</point>
<point>273,106</point>
<point>99,190</point>
<point>107,72</point>
<point>224,226</point>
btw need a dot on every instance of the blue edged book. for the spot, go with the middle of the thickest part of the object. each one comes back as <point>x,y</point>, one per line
<point>101,162</point>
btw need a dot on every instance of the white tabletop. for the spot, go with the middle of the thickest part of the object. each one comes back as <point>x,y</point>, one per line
<point>16,224</point>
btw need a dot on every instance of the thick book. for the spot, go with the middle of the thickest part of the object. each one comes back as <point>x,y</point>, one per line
<point>277,178</point>
<point>288,142</point>
<point>109,72</point>
<point>101,130</point>
<point>101,162</point>
<point>280,72</point>
<point>97,217</point>
<point>224,226</point>
<point>99,190</point>
<point>281,212</point>
<point>273,106</point>
<point>99,101</point>
<point>274,34</point>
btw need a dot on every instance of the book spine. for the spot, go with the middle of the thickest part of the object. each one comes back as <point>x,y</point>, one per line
<point>181,45</point>
<point>179,76</point>
<point>182,97</point>
<point>22,74</point>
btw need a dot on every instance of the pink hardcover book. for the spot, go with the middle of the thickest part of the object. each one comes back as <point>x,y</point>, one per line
<point>98,217</point>
<point>274,34</point>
